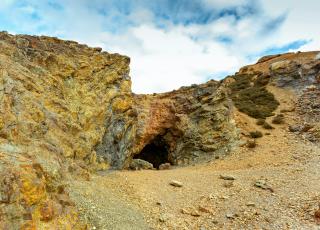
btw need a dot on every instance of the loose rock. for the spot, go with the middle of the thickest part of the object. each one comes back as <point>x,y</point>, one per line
<point>230,216</point>
<point>164,166</point>
<point>251,204</point>
<point>263,185</point>
<point>137,164</point>
<point>227,177</point>
<point>176,183</point>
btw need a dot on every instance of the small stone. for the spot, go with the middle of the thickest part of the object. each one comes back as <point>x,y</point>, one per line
<point>164,166</point>
<point>227,177</point>
<point>176,183</point>
<point>184,211</point>
<point>230,216</point>
<point>190,211</point>
<point>263,185</point>
<point>251,204</point>
<point>215,221</point>
<point>195,213</point>
<point>295,128</point>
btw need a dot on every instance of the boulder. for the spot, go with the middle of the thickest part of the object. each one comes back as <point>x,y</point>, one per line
<point>137,164</point>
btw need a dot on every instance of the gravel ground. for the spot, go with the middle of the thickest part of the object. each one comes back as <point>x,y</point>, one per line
<point>275,185</point>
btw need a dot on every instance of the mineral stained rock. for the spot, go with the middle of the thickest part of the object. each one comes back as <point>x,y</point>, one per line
<point>55,99</point>
<point>188,124</point>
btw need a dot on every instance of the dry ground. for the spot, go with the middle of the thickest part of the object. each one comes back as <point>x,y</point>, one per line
<point>137,199</point>
<point>144,199</point>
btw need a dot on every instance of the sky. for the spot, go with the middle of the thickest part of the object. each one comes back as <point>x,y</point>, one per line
<point>173,43</point>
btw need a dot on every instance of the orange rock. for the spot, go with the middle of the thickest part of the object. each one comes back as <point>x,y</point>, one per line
<point>47,211</point>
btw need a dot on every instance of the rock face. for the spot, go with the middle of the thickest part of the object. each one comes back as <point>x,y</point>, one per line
<point>55,99</point>
<point>178,127</point>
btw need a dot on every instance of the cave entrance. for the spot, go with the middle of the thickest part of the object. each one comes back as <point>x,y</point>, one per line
<point>156,152</point>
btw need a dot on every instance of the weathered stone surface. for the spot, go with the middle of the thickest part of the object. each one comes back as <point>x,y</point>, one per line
<point>192,123</point>
<point>175,183</point>
<point>164,166</point>
<point>55,99</point>
<point>137,164</point>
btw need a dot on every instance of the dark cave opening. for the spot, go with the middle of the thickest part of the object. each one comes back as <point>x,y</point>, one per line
<point>156,153</point>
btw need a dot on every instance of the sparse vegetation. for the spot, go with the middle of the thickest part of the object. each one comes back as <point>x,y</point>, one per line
<point>266,125</point>
<point>251,96</point>
<point>256,134</point>
<point>279,119</point>
<point>260,121</point>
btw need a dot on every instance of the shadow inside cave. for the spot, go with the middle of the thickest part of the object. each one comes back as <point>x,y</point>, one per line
<point>156,153</point>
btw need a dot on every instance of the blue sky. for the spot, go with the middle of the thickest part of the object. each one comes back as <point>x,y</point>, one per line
<point>173,42</point>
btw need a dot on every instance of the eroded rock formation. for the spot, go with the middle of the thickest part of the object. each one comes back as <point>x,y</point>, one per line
<point>185,125</point>
<point>66,108</point>
<point>55,97</point>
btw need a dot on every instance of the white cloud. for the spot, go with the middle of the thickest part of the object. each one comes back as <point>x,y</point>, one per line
<point>301,24</point>
<point>6,3</point>
<point>172,55</point>
<point>166,60</point>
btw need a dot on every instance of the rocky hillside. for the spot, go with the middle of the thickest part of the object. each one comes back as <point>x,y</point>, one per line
<point>178,127</point>
<point>67,111</point>
<point>256,88</point>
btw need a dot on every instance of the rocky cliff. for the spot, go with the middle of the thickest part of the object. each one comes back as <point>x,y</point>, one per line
<point>55,99</point>
<point>67,109</point>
